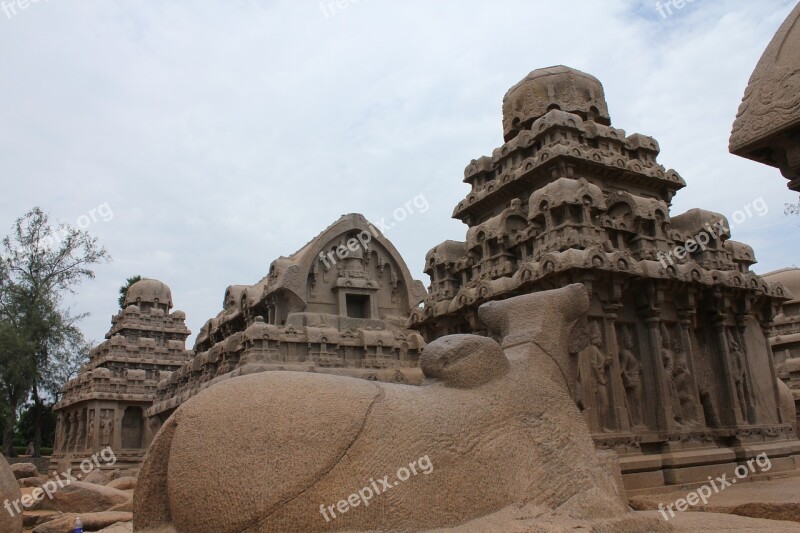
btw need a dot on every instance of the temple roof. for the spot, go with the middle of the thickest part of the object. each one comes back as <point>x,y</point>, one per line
<point>771,102</point>
<point>788,277</point>
<point>557,87</point>
<point>149,291</point>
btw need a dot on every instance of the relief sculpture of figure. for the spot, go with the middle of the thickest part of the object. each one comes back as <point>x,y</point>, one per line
<point>599,361</point>
<point>737,367</point>
<point>73,425</point>
<point>668,360</point>
<point>106,429</point>
<point>90,431</point>
<point>683,382</point>
<point>81,433</point>
<point>631,379</point>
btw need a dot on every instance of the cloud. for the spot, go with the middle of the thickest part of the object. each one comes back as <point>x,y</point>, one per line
<point>226,134</point>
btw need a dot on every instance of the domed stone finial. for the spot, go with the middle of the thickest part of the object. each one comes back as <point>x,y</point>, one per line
<point>549,88</point>
<point>149,291</point>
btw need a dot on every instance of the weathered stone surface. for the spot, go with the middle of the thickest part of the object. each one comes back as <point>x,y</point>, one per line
<point>122,527</point>
<point>24,470</point>
<point>9,491</point>
<point>464,361</point>
<point>775,499</point>
<point>122,483</point>
<point>766,125</point>
<point>31,482</point>
<point>31,519</point>
<point>126,507</point>
<point>315,438</point>
<point>97,477</point>
<point>91,522</point>
<point>81,497</point>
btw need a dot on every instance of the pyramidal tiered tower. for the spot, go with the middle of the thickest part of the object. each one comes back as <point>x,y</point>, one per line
<point>678,378</point>
<point>105,404</point>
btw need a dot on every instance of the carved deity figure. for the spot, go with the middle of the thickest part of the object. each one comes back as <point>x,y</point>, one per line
<point>631,379</point>
<point>683,382</point>
<point>668,360</point>
<point>81,433</point>
<point>599,362</point>
<point>90,431</point>
<point>106,429</point>
<point>737,367</point>
<point>73,425</point>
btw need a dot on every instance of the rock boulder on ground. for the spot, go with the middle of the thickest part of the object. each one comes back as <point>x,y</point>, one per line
<point>28,482</point>
<point>23,470</point>
<point>81,497</point>
<point>31,519</point>
<point>123,483</point>
<point>97,477</point>
<point>9,490</point>
<point>91,522</point>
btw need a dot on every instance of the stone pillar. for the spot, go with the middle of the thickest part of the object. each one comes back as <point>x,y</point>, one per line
<point>729,414</point>
<point>618,400</point>
<point>95,444</point>
<point>752,409</point>
<point>767,325</point>
<point>665,418</point>
<point>686,322</point>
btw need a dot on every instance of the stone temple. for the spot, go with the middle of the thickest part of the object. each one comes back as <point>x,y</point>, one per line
<point>785,339</point>
<point>678,378</point>
<point>338,305</point>
<point>105,405</point>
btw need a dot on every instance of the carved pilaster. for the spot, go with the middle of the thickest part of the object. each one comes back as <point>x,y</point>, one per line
<point>618,410</point>
<point>729,414</point>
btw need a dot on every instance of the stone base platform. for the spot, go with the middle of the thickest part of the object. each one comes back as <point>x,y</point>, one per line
<point>657,473</point>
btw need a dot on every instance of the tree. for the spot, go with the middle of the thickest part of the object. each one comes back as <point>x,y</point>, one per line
<point>792,209</point>
<point>41,345</point>
<point>123,291</point>
<point>26,426</point>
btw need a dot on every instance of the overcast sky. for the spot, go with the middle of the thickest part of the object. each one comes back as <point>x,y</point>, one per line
<point>225,134</point>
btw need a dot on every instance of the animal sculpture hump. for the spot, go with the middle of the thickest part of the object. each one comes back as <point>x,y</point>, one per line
<point>294,431</point>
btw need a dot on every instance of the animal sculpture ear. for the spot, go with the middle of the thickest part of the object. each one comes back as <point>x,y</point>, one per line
<point>579,336</point>
<point>464,361</point>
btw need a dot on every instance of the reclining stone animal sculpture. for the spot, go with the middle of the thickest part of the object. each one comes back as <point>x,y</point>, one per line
<point>282,451</point>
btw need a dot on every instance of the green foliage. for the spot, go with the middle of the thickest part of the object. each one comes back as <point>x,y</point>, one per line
<point>26,425</point>
<point>123,291</point>
<point>41,346</point>
<point>792,209</point>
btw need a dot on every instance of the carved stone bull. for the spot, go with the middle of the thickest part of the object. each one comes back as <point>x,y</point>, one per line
<point>282,451</point>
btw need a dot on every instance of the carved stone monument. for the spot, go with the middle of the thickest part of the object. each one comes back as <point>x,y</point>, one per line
<point>338,305</point>
<point>105,404</point>
<point>495,422</point>
<point>679,365</point>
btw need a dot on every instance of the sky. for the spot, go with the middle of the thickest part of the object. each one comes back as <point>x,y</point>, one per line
<point>200,140</point>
